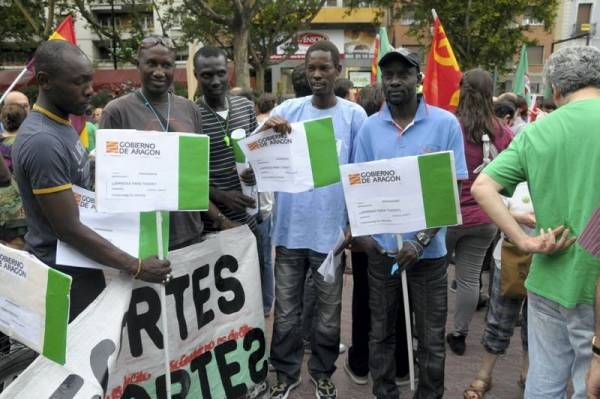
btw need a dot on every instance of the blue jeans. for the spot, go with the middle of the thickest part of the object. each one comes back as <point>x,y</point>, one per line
<point>266,267</point>
<point>428,291</point>
<point>560,348</point>
<point>291,266</point>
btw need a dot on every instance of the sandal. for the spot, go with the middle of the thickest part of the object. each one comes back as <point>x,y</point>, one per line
<point>478,388</point>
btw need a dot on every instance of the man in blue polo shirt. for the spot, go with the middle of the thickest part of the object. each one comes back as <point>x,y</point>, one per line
<point>407,126</point>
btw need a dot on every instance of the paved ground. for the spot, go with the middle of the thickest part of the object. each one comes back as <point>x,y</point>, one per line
<point>460,370</point>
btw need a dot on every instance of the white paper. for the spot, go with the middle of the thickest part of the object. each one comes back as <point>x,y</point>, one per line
<point>384,196</point>
<point>139,170</point>
<point>20,321</point>
<point>121,230</point>
<point>281,162</point>
<point>329,266</point>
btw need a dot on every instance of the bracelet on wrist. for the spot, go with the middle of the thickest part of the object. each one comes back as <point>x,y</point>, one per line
<point>139,269</point>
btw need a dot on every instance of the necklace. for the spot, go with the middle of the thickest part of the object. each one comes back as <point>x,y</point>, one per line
<point>159,118</point>
<point>218,118</point>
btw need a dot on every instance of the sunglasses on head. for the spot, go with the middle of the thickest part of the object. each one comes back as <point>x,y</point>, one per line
<point>152,41</point>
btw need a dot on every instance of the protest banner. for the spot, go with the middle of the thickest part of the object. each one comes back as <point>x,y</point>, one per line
<point>302,160</point>
<point>401,194</point>
<point>147,171</point>
<point>134,233</point>
<point>34,303</point>
<point>217,341</point>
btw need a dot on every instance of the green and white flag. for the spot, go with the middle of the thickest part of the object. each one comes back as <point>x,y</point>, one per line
<point>34,303</point>
<point>302,160</point>
<point>145,171</point>
<point>132,232</point>
<point>402,194</point>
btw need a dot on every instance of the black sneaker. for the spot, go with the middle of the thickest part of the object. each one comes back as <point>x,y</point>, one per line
<point>457,343</point>
<point>281,390</point>
<point>324,388</point>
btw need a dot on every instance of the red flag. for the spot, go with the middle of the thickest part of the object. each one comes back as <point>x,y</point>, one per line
<point>442,75</point>
<point>376,46</point>
<point>65,31</point>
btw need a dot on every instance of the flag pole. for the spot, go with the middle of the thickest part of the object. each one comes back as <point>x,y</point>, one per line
<point>163,306</point>
<point>407,320</point>
<point>13,84</point>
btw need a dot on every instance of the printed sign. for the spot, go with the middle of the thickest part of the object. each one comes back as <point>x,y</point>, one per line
<point>217,335</point>
<point>302,160</point>
<point>402,194</point>
<point>34,303</point>
<point>134,233</point>
<point>146,171</point>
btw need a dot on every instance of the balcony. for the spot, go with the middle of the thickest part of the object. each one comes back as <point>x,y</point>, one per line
<point>340,15</point>
<point>122,6</point>
<point>579,29</point>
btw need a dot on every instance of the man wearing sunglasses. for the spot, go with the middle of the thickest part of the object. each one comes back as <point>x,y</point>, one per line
<point>155,107</point>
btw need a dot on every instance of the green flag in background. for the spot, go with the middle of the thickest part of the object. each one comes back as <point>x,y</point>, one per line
<point>521,81</point>
<point>384,48</point>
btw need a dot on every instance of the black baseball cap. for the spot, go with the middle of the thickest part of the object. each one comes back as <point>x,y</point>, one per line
<point>400,53</point>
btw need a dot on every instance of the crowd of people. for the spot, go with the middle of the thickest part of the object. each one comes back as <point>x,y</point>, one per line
<point>545,170</point>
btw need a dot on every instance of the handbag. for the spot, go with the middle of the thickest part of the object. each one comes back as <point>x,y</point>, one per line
<point>515,267</point>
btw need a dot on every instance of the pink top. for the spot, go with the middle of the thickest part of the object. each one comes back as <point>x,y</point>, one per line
<point>472,214</point>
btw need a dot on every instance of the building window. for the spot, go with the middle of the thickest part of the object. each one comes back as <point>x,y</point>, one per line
<point>535,87</point>
<point>584,17</point>
<point>530,20</point>
<point>535,55</point>
<point>407,17</point>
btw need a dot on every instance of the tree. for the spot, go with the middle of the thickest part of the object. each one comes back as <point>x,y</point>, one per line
<point>482,32</point>
<point>249,30</point>
<point>24,25</point>
<point>29,22</point>
<point>128,33</point>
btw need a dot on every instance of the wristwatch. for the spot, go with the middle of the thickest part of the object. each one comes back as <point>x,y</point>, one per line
<point>423,238</point>
<point>595,347</point>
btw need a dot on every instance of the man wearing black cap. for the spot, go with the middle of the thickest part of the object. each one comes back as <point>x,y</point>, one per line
<point>407,126</point>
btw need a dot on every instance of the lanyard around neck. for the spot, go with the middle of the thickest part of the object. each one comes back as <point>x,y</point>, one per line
<point>151,107</point>
<point>226,138</point>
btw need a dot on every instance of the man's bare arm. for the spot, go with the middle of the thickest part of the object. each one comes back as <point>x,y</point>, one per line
<point>62,213</point>
<point>486,190</point>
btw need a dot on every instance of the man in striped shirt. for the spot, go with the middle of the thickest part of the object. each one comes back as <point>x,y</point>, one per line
<point>221,115</point>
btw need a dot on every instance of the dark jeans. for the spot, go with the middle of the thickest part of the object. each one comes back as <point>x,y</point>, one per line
<point>427,283</point>
<point>358,353</point>
<point>309,305</point>
<point>291,266</point>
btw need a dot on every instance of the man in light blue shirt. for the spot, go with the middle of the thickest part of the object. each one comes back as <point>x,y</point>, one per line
<point>407,126</point>
<point>306,227</point>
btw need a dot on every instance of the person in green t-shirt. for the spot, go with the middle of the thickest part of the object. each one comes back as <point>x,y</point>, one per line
<point>559,157</point>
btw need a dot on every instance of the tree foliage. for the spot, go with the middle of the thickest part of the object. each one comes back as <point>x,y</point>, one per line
<point>482,33</point>
<point>26,23</point>
<point>127,34</point>
<point>249,30</point>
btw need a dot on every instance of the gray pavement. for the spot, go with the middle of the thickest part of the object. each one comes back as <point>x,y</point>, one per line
<point>460,370</point>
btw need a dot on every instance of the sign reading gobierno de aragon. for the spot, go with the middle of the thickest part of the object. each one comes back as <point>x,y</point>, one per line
<point>139,171</point>
<point>34,303</point>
